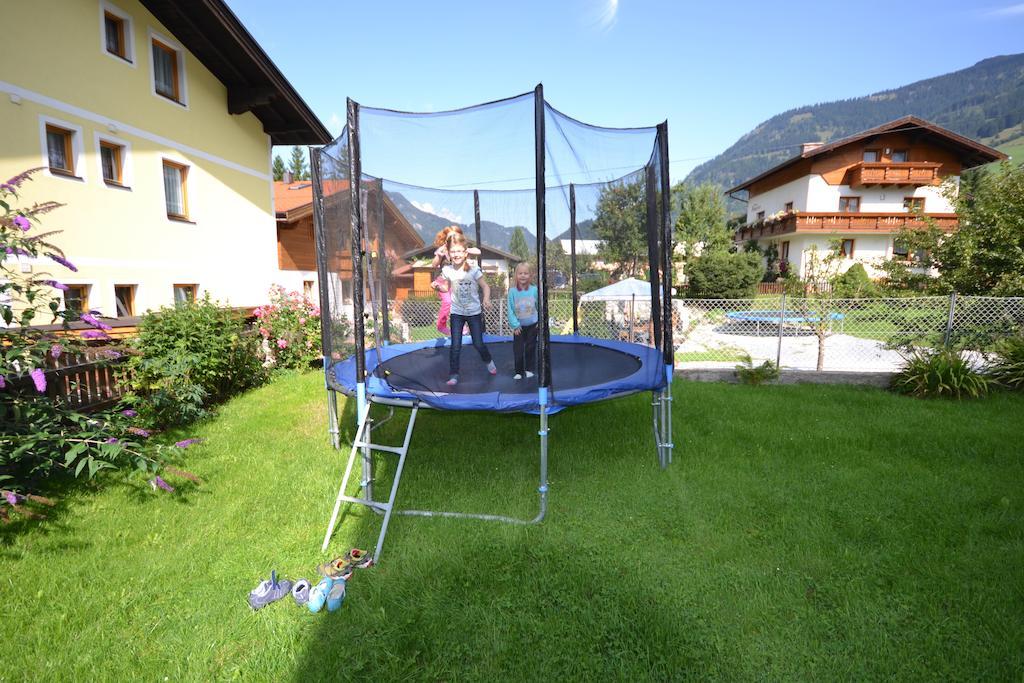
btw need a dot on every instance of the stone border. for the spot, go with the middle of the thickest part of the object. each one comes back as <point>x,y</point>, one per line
<point>874,379</point>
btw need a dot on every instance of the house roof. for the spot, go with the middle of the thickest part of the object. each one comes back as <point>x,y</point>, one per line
<point>211,32</point>
<point>972,153</point>
<point>294,200</point>
<point>485,251</point>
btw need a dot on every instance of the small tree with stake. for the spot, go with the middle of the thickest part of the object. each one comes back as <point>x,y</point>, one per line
<point>815,298</point>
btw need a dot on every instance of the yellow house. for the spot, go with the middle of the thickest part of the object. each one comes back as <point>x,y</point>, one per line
<point>154,121</point>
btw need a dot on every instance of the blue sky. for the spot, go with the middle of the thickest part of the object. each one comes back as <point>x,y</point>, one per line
<point>713,69</point>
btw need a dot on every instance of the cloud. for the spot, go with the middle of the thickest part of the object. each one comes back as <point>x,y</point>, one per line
<point>443,213</point>
<point>1009,10</point>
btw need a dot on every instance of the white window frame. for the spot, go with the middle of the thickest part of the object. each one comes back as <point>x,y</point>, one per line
<point>179,52</point>
<point>127,165</point>
<point>176,161</point>
<point>129,34</point>
<point>79,171</point>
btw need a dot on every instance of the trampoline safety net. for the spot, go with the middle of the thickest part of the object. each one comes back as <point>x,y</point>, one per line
<point>523,182</point>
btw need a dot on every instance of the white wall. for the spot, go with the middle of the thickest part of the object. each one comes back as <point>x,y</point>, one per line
<point>825,198</point>
<point>588,247</point>
<point>774,200</point>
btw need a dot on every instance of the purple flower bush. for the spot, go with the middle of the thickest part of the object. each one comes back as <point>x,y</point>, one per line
<point>40,437</point>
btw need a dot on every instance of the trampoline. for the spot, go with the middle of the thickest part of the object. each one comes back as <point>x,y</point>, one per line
<point>490,170</point>
<point>779,318</point>
<point>584,370</point>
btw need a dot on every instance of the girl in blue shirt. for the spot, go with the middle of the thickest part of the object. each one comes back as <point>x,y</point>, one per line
<point>522,316</point>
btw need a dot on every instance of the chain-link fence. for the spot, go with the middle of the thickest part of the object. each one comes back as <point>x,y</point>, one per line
<point>797,333</point>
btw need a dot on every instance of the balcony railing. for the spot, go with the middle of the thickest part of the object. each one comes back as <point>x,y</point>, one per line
<point>821,222</point>
<point>913,173</point>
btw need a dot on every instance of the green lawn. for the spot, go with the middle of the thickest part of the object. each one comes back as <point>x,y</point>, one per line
<point>802,533</point>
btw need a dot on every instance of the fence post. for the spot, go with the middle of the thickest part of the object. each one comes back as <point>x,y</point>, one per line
<point>949,319</point>
<point>782,321</point>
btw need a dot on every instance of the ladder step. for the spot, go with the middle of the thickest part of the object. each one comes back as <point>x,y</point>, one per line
<point>397,450</point>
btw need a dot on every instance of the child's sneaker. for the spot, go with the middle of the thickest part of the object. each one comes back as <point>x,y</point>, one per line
<point>517,376</point>
<point>336,595</point>
<point>318,596</point>
<point>358,558</point>
<point>529,374</point>
<point>268,591</point>
<point>492,368</point>
<point>453,380</point>
<point>300,592</point>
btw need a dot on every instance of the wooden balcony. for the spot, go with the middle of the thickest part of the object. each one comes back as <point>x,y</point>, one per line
<point>862,223</point>
<point>906,173</point>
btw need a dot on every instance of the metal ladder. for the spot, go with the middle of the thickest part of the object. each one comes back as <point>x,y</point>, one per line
<point>363,442</point>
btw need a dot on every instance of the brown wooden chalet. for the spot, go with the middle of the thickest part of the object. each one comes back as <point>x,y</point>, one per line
<point>872,183</point>
<point>296,243</point>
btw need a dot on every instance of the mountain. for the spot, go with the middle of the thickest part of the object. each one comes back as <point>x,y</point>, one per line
<point>984,102</point>
<point>428,225</point>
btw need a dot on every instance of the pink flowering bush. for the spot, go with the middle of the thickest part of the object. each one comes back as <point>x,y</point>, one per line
<point>40,436</point>
<point>290,327</point>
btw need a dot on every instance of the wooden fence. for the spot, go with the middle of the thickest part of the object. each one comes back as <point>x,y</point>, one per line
<point>83,381</point>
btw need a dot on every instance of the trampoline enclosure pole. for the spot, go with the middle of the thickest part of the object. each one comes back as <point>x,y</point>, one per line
<point>572,258</point>
<point>358,330</point>
<point>543,334</point>
<point>666,278</point>
<point>323,277</point>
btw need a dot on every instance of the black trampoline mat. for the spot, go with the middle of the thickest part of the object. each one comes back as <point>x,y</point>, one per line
<point>573,365</point>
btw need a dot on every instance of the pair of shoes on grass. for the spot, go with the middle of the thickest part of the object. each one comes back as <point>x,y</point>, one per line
<point>343,566</point>
<point>269,591</point>
<point>330,593</point>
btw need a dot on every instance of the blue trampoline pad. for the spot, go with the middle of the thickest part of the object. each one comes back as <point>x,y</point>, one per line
<point>583,370</point>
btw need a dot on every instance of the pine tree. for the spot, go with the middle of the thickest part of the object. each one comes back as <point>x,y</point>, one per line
<point>279,168</point>
<point>297,164</point>
<point>518,244</point>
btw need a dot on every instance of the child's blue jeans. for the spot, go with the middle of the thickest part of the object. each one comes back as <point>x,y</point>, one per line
<point>476,332</point>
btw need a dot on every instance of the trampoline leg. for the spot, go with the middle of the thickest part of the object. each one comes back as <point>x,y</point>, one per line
<point>365,411</point>
<point>667,402</point>
<point>656,415</point>
<point>333,432</point>
<point>542,490</point>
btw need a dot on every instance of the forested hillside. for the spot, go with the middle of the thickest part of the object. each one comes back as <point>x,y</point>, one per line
<point>984,102</point>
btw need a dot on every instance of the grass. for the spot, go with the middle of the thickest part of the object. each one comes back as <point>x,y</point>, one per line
<point>803,532</point>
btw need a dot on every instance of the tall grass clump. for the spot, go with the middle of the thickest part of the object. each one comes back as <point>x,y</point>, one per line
<point>939,373</point>
<point>1007,367</point>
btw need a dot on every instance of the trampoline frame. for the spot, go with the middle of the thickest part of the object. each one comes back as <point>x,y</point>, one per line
<point>659,234</point>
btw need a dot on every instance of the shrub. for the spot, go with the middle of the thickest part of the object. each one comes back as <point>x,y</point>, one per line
<point>40,436</point>
<point>854,284</point>
<point>1007,368</point>
<point>290,327</point>
<point>939,373</point>
<point>724,276</point>
<point>189,357</point>
<point>748,374</point>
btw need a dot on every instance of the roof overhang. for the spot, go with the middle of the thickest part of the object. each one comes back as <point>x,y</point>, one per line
<point>211,32</point>
<point>971,153</point>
